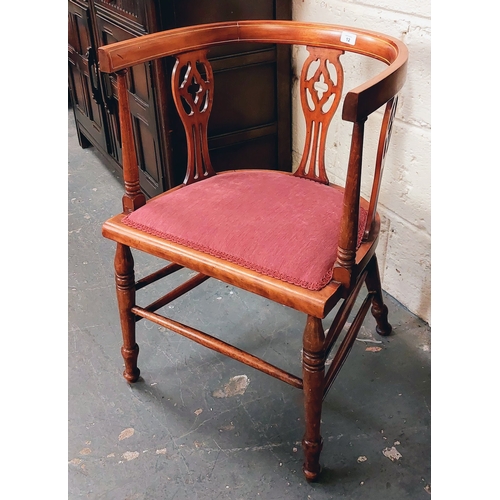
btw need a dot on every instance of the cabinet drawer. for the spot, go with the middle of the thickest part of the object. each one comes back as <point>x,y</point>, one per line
<point>244,98</point>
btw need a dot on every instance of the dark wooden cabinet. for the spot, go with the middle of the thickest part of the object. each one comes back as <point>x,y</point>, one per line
<point>251,125</point>
<point>84,77</point>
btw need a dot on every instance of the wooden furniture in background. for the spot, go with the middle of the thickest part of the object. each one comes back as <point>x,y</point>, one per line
<point>292,238</point>
<point>240,136</point>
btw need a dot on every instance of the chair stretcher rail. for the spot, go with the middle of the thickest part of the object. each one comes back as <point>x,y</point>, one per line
<point>342,315</point>
<point>220,346</point>
<point>177,292</point>
<point>346,345</point>
<point>161,273</point>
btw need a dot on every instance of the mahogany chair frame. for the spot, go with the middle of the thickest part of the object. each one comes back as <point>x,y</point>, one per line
<point>355,265</point>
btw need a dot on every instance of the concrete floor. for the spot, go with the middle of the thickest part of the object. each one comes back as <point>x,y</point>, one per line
<point>182,433</point>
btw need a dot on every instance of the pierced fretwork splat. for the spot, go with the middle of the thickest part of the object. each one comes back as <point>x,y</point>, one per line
<point>192,89</point>
<point>320,97</point>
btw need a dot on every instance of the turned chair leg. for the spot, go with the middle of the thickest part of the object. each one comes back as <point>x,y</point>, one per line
<point>379,309</point>
<point>125,292</point>
<point>313,371</point>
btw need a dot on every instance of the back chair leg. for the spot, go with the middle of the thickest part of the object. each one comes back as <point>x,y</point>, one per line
<point>313,371</point>
<point>125,292</point>
<point>379,309</point>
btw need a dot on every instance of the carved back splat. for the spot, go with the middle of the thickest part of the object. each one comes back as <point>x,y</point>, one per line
<point>320,97</point>
<point>193,92</point>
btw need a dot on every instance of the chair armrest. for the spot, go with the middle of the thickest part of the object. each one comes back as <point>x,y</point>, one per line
<point>371,95</point>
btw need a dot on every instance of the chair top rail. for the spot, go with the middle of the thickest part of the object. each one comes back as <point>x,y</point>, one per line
<point>359,102</point>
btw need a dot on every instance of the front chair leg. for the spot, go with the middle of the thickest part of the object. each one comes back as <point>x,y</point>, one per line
<point>313,371</point>
<point>379,309</point>
<point>125,292</point>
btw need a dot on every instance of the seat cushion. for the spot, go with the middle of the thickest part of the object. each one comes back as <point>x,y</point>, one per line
<point>279,225</point>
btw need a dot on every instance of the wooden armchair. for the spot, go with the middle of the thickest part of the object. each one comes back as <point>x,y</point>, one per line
<point>294,238</point>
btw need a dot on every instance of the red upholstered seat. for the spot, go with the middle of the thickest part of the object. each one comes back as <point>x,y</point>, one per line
<point>262,220</point>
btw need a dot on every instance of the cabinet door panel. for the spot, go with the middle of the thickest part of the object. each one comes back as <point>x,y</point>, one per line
<point>258,153</point>
<point>244,98</point>
<point>83,78</point>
